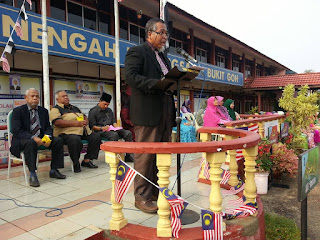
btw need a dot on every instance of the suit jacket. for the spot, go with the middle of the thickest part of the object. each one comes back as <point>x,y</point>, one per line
<point>12,87</point>
<point>142,72</point>
<point>20,123</point>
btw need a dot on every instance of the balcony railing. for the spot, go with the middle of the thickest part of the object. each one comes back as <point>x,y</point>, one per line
<point>213,151</point>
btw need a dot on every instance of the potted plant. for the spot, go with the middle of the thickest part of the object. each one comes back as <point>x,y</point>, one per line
<point>284,159</point>
<point>263,167</point>
<point>300,108</point>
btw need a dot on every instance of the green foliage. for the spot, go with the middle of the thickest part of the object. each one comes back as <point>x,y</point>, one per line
<point>253,110</point>
<point>300,109</point>
<point>281,228</point>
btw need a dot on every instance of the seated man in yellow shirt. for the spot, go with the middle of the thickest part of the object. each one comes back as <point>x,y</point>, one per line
<point>71,125</point>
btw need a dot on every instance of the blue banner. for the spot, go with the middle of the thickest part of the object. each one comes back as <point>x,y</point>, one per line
<point>68,40</point>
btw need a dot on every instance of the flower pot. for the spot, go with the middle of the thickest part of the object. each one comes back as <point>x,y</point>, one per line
<point>261,179</point>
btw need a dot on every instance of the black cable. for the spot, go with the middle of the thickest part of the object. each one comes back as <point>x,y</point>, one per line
<point>53,209</point>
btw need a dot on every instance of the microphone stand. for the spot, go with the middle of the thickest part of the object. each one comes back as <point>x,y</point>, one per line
<point>189,216</point>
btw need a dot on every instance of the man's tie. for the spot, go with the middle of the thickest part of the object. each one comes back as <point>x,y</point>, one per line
<point>162,65</point>
<point>35,127</point>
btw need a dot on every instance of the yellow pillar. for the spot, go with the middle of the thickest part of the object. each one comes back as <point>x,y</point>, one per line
<point>205,137</point>
<point>261,129</point>
<point>117,219</point>
<point>250,189</point>
<point>233,166</point>
<point>215,160</point>
<point>164,223</point>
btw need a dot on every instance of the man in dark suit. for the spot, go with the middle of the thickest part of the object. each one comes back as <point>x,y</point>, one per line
<point>30,123</point>
<point>151,109</point>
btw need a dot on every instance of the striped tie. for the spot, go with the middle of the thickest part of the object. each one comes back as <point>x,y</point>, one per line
<point>162,65</point>
<point>35,127</point>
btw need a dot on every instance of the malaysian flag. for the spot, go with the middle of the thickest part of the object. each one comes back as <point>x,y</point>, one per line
<point>205,165</point>
<point>238,202</point>
<point>23,13</point>
<point>5,64</point>
<point>18,29</point>
<point>10,47</point>
<point>243,211</point>
<point>124,178</point>
<point>30,3</point>
<point>178,205</point>
<point>225,176</point>
<point>254,128</point>
<point>211,225</point>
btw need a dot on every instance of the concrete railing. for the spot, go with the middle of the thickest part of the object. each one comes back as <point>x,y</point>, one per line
<point>213,151</point>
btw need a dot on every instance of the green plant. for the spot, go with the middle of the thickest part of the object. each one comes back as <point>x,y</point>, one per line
<point>253,110</point>
<point>280,228</point>
<point>284,159</point>
<point>300,110</point>
<point>263,160</point>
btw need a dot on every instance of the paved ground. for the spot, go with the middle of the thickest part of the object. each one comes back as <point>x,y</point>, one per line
<point>284,202</point>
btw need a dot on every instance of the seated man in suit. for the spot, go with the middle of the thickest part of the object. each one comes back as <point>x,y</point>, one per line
<point>71,125</point>
<point>30,123</point>
<point>101,117</point>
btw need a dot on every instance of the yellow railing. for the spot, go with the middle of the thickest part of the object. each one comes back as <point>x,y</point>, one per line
<point>213,151</point>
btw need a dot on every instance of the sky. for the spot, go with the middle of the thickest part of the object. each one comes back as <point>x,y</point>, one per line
<point>288,31</point>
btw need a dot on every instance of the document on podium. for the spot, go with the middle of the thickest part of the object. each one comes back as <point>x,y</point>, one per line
<point>175,75</point>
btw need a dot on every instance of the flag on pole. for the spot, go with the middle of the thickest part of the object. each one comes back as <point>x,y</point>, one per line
<point>18,29</point>
<point>5,64</point>
<point>23,13</point>
<point>30,3</point>
<point>211,225</point>
<point>177,205</point>
<point>124,178</point>
<point>10,47</point>
<point>225,176</point>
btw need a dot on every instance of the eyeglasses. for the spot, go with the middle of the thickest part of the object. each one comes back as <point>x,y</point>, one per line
<point>162,34</point>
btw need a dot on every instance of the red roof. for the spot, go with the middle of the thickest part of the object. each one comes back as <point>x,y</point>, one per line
<point>283,80</point>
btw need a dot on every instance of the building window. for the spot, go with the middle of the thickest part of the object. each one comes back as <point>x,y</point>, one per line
<point>90,18</point>
<point>247,105</point>
<point>137,34</point>
<point>201,55</point>
<point>236,66</point>
<point>248,71</point>
<point>104,23</point>
<point>174,44</point>
<point>58,10</point>
<point>220,61</point>
<point>258,72</point>
<point>75,14</point>
<point>123,29</point>
<point>7,2</point>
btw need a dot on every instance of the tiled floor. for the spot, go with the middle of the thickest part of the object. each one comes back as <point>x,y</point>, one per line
<point>87,218</point>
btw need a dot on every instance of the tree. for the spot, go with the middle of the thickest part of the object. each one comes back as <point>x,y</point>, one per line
<point>308,71</point>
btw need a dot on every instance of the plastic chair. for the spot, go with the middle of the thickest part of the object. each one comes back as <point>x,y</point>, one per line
<point>12,157</point>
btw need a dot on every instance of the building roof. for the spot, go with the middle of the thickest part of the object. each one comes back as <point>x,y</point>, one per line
<point>276,81</point>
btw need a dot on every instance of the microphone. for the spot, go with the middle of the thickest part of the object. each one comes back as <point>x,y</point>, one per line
<point>186,55</point>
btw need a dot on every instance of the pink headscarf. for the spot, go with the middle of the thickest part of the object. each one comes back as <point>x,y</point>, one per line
<point>219,98</point>
<point>212,115</point>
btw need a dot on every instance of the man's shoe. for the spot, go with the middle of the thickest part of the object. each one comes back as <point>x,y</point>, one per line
<point>128,158</point>
<point>34,182</point>
<point>146,206</point>
<point>88,164</point>
<point>76,168</point>
<point>54,173</point>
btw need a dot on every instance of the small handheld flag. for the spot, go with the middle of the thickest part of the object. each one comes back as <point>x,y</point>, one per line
<point>124,178</point>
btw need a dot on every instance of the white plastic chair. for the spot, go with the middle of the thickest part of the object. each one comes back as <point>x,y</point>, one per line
<point>12,157</point>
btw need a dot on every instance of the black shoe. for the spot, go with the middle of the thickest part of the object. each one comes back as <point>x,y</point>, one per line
<point>128,158</point>
<point>88,164</point>
<point>34,182</point>
<point>54,173</point>
<point>76,168</point>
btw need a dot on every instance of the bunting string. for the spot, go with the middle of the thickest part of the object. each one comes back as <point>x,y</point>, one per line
<point>10,47</point>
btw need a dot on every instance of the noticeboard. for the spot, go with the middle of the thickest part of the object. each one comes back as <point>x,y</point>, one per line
<point>308,172</point>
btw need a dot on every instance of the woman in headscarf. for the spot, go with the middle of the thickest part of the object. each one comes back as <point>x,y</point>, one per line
<point>222,109</point>
<point>186,106</point>
<point>213,116</point>
<point>229,104</point>
<point>200,113</point>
